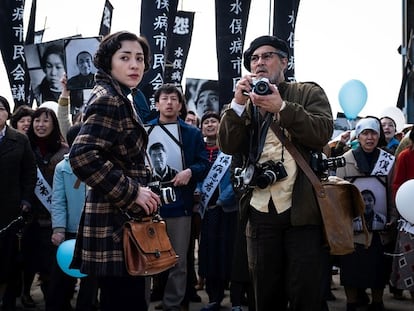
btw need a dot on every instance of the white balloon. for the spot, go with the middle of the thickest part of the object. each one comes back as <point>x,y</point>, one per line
<point>404,200</point>
<point>397,115</point>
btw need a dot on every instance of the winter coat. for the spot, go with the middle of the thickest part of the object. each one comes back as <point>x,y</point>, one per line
<point>17,174</point>
<point>67,200</point>
<point>108,155</point>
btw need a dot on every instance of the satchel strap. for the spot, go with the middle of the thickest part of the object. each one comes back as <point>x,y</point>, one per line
<point>316,183</point>
<point>153,217</point>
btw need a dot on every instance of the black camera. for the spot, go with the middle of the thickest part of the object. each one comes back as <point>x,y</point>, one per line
<point>164,190</point>
<point>260,175</point>
<point>320,163</point>
<point>261,86</point>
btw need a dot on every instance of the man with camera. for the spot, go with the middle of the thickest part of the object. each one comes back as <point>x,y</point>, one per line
<point>284,226</point>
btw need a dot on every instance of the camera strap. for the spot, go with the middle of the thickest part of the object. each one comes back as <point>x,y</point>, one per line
<point>261,126</point>
<point>300,160</point>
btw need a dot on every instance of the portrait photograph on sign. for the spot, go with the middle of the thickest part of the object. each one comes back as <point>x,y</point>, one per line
<point>202,95</point>
<point>374,192</point>
<point>45,62</point>
<point>164,150</point>
<point>80,70</point>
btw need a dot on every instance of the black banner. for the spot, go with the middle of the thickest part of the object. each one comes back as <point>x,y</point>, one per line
<point>30,35</point>
<point>178,45</point>
<point>12,49</point>
<point>284,21</point>
<point>106,21</point>
<point>156,18</point>
<point>231,23</point>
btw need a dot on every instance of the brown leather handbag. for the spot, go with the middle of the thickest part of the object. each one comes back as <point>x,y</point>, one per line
<point>339,202</point>
<point>147,247</point>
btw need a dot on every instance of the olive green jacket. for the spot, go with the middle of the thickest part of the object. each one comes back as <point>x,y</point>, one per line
<point>307,118</point>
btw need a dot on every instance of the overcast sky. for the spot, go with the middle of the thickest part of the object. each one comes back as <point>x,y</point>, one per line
<point>335,40</point>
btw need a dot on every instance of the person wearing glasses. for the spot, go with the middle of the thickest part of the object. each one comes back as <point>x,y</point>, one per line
<point>285,239</point>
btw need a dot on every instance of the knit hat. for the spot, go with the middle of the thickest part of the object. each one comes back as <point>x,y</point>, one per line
<point>6,105</point>
<point>209,114</point>
<point>264,40</point>
<point>367,124</point>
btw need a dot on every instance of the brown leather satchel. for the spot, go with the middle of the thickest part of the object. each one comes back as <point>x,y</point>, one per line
<point>147,247</point>
<point>339,202</point>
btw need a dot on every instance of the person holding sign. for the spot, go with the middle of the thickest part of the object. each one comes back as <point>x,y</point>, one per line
<point>369,267</point>
<point>169,101</point>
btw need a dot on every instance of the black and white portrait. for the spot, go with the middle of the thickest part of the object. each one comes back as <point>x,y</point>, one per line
<point>164,150</point>
<point>80,70</point>
<point>202,95</point>
<point>46,66</point>
<point>374,193</point>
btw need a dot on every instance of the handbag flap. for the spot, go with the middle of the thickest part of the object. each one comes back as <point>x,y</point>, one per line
<point>352,191</point>
<point>150,236</point>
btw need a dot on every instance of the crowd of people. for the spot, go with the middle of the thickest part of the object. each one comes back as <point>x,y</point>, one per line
<point>242,206</point>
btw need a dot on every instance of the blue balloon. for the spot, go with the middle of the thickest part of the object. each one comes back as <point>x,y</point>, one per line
<point>352,98</point>
<point>64,256</point>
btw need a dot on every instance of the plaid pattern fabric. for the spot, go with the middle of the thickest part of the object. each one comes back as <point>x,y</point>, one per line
<point>108,155</point>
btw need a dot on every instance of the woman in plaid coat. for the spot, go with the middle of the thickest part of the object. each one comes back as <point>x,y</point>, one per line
<point>109,156</point>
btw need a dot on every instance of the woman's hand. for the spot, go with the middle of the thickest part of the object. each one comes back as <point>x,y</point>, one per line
<point>148,200</point>
<point>64,81</point>
<point>58,238</point>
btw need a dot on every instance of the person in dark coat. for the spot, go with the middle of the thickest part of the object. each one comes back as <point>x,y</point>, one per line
<point>17,181</point>
<point>109,156</point>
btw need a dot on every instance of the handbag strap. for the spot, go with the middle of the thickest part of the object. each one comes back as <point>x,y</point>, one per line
<point>316,183</point>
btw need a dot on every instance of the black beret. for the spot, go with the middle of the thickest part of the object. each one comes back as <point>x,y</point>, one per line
<point>264,40</point>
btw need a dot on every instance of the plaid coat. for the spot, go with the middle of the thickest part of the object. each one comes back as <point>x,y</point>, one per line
<point>109,156</point>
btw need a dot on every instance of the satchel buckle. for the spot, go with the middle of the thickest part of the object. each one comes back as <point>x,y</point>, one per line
<point>157,253</point>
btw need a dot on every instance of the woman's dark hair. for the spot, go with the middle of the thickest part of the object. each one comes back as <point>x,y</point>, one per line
<point>54,141</point>
<point>112,43</point>
<point>51,49</point>
<point>21,112</point>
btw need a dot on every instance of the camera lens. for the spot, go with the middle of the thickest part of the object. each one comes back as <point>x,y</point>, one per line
<point>267,178</point>
<point>262,88</point>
